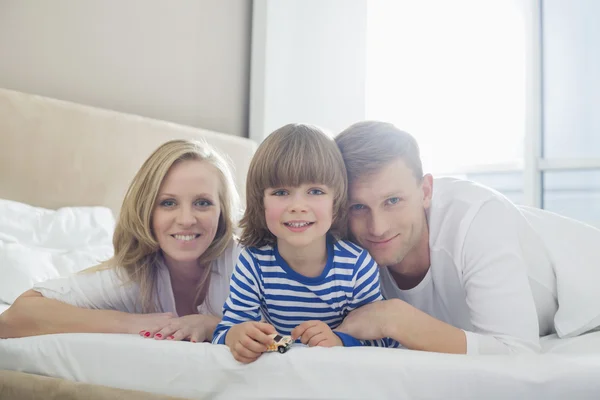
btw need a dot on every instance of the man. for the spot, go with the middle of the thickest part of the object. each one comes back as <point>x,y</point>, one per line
<point>464,270</point>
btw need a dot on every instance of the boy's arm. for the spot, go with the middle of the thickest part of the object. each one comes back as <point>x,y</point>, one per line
<point>366,290</point>
<point>243,303</point>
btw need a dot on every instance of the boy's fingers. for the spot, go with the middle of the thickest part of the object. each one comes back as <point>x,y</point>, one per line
<point>265,328</point>
<point>252,345</point>
<point>242,359</point>
<point>258,335</point>
<point>245,352</point>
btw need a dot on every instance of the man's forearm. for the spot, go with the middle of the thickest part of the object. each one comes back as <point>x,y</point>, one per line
<point>417,330</point>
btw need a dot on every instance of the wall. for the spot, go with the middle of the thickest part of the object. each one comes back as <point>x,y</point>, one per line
<point>308,64</point>
<point>185,61</point>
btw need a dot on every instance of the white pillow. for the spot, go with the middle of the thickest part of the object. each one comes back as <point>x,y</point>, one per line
<point>37,244</point>
<point>574,248</point>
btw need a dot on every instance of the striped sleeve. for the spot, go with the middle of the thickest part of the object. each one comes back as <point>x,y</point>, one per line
<point>367,290</point>
<point>243,303</point>
<point>366,287</point>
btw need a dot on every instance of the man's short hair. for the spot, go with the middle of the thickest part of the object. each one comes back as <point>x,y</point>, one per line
<point>368,146</point>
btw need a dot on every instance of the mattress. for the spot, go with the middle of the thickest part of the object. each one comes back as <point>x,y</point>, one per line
<point>569,369</point>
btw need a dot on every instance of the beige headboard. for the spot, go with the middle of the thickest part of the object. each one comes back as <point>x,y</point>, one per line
<point>55,153</point>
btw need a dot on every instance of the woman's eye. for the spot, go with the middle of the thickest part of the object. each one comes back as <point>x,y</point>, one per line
<point>316,192</point>
<point>167,203</point>
<point>203,203</point>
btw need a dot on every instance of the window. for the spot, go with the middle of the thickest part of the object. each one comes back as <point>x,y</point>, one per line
<point>451,73</point>
<point>468,77</point>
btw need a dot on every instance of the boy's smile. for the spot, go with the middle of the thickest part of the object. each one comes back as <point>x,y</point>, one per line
<point>299,216</point>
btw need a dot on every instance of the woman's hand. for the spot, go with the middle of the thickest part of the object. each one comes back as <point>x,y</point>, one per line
<point>316,333</point>
<point>195,328</point>
<point>248,340</point>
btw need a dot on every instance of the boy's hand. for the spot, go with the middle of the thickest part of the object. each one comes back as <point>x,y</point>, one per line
<point>316,333</point>
<point>248,340</point>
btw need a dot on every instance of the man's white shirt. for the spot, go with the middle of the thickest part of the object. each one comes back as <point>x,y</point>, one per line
<point>490,272</point>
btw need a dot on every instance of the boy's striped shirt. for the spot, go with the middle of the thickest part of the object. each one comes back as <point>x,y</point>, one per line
<point>263,286</point>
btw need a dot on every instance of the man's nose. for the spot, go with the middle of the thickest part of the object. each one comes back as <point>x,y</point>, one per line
<point>377,224</point>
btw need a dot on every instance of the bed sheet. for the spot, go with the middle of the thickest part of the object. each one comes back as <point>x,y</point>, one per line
<point>201,370</point>
<point>3,307</point>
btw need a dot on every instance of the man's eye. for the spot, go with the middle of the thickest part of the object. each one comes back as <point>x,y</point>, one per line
<point>316,192</point>
<point>393,200</point>
<point>357,207</point>
<point>280,192</point>
<point>167,203</point>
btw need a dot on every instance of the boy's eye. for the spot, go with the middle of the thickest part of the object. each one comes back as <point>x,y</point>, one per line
<point>167,203</point>
<point>316,192</point>
<point>280,192</point>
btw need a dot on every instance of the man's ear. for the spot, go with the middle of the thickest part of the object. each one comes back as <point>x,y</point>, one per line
<point>427,187</point>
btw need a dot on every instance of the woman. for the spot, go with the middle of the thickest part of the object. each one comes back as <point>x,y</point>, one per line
<point>174,255</point>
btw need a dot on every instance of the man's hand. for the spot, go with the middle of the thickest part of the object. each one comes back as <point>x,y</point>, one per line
<point>316,333</point>
<point>248,340</point>
<point>373,321</point>
<point>194,327</point>
<point>409,326</point>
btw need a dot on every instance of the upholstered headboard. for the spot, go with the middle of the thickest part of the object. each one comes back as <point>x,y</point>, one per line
<point>55,153</point>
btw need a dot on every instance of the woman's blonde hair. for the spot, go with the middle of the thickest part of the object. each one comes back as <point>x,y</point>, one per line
<point>291,156</point>
<point>136,250</point>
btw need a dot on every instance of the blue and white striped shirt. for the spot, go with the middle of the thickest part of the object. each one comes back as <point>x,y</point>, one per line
<point>263,286</point>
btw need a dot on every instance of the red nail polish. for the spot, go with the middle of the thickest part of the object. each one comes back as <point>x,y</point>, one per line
<point>147,334</point>
<point>170,337</point>
<point>158,335</point>
<point>193,341</point>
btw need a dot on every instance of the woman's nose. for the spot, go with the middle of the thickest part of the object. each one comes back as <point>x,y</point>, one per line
<point>186,216</point>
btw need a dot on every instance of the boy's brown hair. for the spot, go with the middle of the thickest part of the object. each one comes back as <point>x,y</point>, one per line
<point>293,155</point>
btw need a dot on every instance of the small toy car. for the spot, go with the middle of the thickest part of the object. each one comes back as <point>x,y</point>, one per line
<point>280,343</point>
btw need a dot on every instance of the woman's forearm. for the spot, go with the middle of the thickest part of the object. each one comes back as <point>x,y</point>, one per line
<point>32,314</point>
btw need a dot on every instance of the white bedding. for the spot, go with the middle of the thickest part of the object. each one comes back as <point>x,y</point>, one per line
<point>204,370</point>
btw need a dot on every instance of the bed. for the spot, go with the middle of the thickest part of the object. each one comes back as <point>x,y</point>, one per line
<point>56,154</point>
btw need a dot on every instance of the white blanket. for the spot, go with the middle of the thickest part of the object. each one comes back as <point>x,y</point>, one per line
<point>204,370</point>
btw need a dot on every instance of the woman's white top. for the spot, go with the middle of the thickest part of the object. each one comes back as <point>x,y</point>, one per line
<point>106,289</point>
